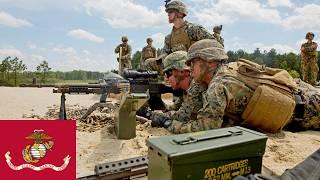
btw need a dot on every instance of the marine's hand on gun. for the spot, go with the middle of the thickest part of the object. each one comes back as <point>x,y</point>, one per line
<point>159,119</point>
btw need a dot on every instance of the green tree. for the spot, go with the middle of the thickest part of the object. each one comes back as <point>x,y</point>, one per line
<point>241,54</point>
<point>136,60</point>
<point>293,62</point>
<point>6,67</point>
<point>43,69</point>
<point>283,65</point>
<point>294,73</point>
<point>17,67</point>
<point>257,52</point>
<point>232,56</point>
<point>270,57</point>
<point>258,60</point>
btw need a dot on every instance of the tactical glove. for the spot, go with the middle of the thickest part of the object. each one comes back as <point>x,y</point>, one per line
<point>159,119</point>
<point>145,112</point>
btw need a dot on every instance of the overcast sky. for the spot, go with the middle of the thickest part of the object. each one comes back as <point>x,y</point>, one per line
<point>82,34</point>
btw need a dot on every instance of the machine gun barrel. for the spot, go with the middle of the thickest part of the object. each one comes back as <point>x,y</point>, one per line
<point>87,88</point>
<point>134,74</point>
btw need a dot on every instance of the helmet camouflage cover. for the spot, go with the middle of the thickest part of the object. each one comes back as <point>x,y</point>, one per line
<point>206,49</point>
<point>149,40</point>
<point>176,60</point>
<point>124,38</point>
<point>177,5</point>
<point>308,34</point>
<point>217,28</point>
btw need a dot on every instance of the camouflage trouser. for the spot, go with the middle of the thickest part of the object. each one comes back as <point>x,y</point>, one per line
<point>309,69</point>
<point>311,98</point>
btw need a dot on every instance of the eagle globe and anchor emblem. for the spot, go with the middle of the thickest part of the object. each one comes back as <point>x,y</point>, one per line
<point>37,151</point>
<point>34,153</point>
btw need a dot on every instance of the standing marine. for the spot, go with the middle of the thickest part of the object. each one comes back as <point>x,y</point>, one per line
<point>147,52</point>
<point>183,33</point>
<point>124,51</point>
<point>309,62</point>
<point>217,34</point>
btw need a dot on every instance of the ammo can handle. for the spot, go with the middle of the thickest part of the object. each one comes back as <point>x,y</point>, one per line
<point>190,139</point>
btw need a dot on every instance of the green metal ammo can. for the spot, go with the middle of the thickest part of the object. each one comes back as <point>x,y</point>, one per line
<point>219,154</point>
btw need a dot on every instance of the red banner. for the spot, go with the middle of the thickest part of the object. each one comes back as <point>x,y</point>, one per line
<point>38,149</point>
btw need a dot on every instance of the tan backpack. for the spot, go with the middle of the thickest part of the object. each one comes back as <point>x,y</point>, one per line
<point>272,104</point>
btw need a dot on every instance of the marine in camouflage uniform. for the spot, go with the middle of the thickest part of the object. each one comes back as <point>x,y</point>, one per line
<point>182,36</point>
<point>217,34</point>
<point>181,39</point>
<point>178,76</point>
<point>191,103</point>
<point>310,95</point>
<point>147,52</point>
<point>125,54</point>
<point>227,97</point>
<point>153,64</point>
<point>309,65</point>
<point>224,94</point>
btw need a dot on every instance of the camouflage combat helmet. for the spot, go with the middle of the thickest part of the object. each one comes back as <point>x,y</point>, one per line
<point>206,49</point>
<point>124,38</point>
<point>177,5</point>
<point>175,60</point>
<point>308,34</point>
<point>149,40</point>
<point>217,29</point>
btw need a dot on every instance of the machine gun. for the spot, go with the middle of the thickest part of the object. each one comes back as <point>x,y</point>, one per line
<point>132,82</point>
<point>132,168</point>
<point>104,89</point>
<point>142,81</point>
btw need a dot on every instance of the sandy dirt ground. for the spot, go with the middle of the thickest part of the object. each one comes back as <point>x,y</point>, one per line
<point>17,103</point>
<point>96,142</point>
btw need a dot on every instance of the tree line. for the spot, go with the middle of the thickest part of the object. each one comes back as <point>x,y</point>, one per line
<point>271,58</point>
<point>288,61</point>
<point>13,71</point>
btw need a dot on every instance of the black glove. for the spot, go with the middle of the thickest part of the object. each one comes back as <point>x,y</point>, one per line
<point>145,112</point>
<point>159,119</point>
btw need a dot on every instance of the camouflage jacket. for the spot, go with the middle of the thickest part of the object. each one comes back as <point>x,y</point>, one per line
<point>194,32</point>
<point>153,65</point>
<point>177,102</point>
<point>191,103</point>
<point>148,52</point>
<point>311,98</point>
<point>126,51</point>
<point>219,38</point>
<point>309,49</point>
<point>225,95</point>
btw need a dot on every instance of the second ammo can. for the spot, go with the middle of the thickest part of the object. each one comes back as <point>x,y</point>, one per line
<point>219,154</point>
